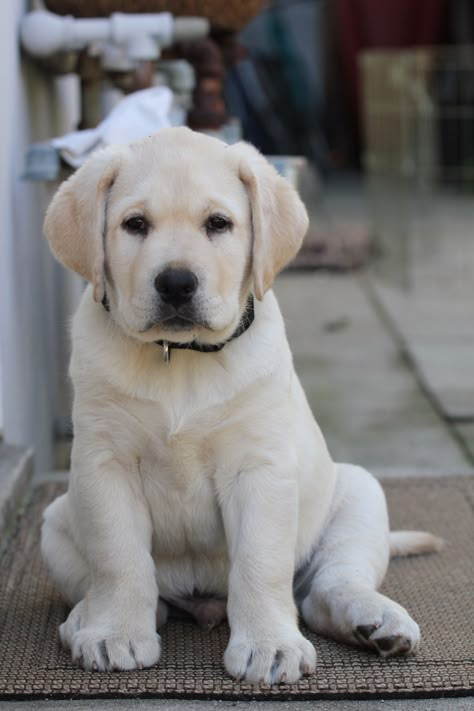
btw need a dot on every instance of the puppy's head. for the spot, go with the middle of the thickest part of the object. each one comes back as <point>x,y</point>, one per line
<point>176,229</point>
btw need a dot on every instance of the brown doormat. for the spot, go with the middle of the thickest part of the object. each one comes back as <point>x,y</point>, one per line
<point>334,247</point>
<point>436,589</point>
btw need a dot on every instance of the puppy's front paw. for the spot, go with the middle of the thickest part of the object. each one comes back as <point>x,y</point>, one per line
<point>96,651</point>
<point>97,647</point>
<point>271,661</point>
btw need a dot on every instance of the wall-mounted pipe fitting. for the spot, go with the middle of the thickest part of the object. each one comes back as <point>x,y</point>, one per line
<point>43,33</point>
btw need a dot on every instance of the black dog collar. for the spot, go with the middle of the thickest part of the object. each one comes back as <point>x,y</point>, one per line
<point>245,323</point>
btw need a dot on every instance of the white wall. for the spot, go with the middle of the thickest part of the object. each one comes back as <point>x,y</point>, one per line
<point>35,107</point>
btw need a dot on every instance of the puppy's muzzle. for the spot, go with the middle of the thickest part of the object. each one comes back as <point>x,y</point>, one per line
<point>176,287</point>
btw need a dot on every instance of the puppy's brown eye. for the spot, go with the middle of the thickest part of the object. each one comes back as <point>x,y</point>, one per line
<point>136,225</point>
<point>217,224</point>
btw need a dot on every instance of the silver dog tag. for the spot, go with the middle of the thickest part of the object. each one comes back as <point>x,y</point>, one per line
<point>166,352</point>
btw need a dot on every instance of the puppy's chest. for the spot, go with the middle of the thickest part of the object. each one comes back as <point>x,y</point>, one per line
<point>178,475</point>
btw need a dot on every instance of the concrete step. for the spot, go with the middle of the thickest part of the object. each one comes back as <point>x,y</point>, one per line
<point>16,471</point>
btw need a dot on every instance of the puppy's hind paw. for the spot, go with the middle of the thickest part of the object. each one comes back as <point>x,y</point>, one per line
<point>389,645</point>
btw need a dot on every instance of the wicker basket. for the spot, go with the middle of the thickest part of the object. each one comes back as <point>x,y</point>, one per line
<point>229,15</point>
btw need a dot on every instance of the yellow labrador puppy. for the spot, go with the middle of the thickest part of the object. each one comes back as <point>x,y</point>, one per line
<point>200,479</point>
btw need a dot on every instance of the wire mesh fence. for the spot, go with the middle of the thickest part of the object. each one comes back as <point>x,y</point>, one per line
<point>418,117</point>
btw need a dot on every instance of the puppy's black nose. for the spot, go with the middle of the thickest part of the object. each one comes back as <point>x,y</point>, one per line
<point>176,286</point>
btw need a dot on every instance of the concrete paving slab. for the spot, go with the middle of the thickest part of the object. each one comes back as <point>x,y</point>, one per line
<point>448,370</point>
<point>465,431</point>
<point>364,394</point>
<point>435,327</point>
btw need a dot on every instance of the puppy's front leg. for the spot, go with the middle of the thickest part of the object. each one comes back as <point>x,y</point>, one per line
<point>260,513</point>
<point>114,625</point>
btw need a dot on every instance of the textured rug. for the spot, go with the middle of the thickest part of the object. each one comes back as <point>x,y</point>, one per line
<point>437,590</point>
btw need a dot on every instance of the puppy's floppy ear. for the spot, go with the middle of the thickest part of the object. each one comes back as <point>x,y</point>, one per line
<point>279,218</point>
<point>75,220</point>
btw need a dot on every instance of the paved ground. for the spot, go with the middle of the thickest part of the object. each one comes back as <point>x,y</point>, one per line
<point>363,391</point>
<point>153,705</point>
<point>435,329</point>
<point>428,298</point>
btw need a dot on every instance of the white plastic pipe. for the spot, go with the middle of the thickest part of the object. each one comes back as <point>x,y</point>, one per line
<point>43,33</point>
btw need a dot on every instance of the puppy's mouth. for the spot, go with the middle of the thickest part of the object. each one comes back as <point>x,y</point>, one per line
<point>177,323</point>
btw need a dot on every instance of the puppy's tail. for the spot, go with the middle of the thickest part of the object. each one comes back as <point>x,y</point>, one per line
<point>403,543</point>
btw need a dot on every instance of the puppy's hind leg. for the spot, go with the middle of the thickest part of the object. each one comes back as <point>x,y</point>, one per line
<point>339,598</point>
<point>65,563</point>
